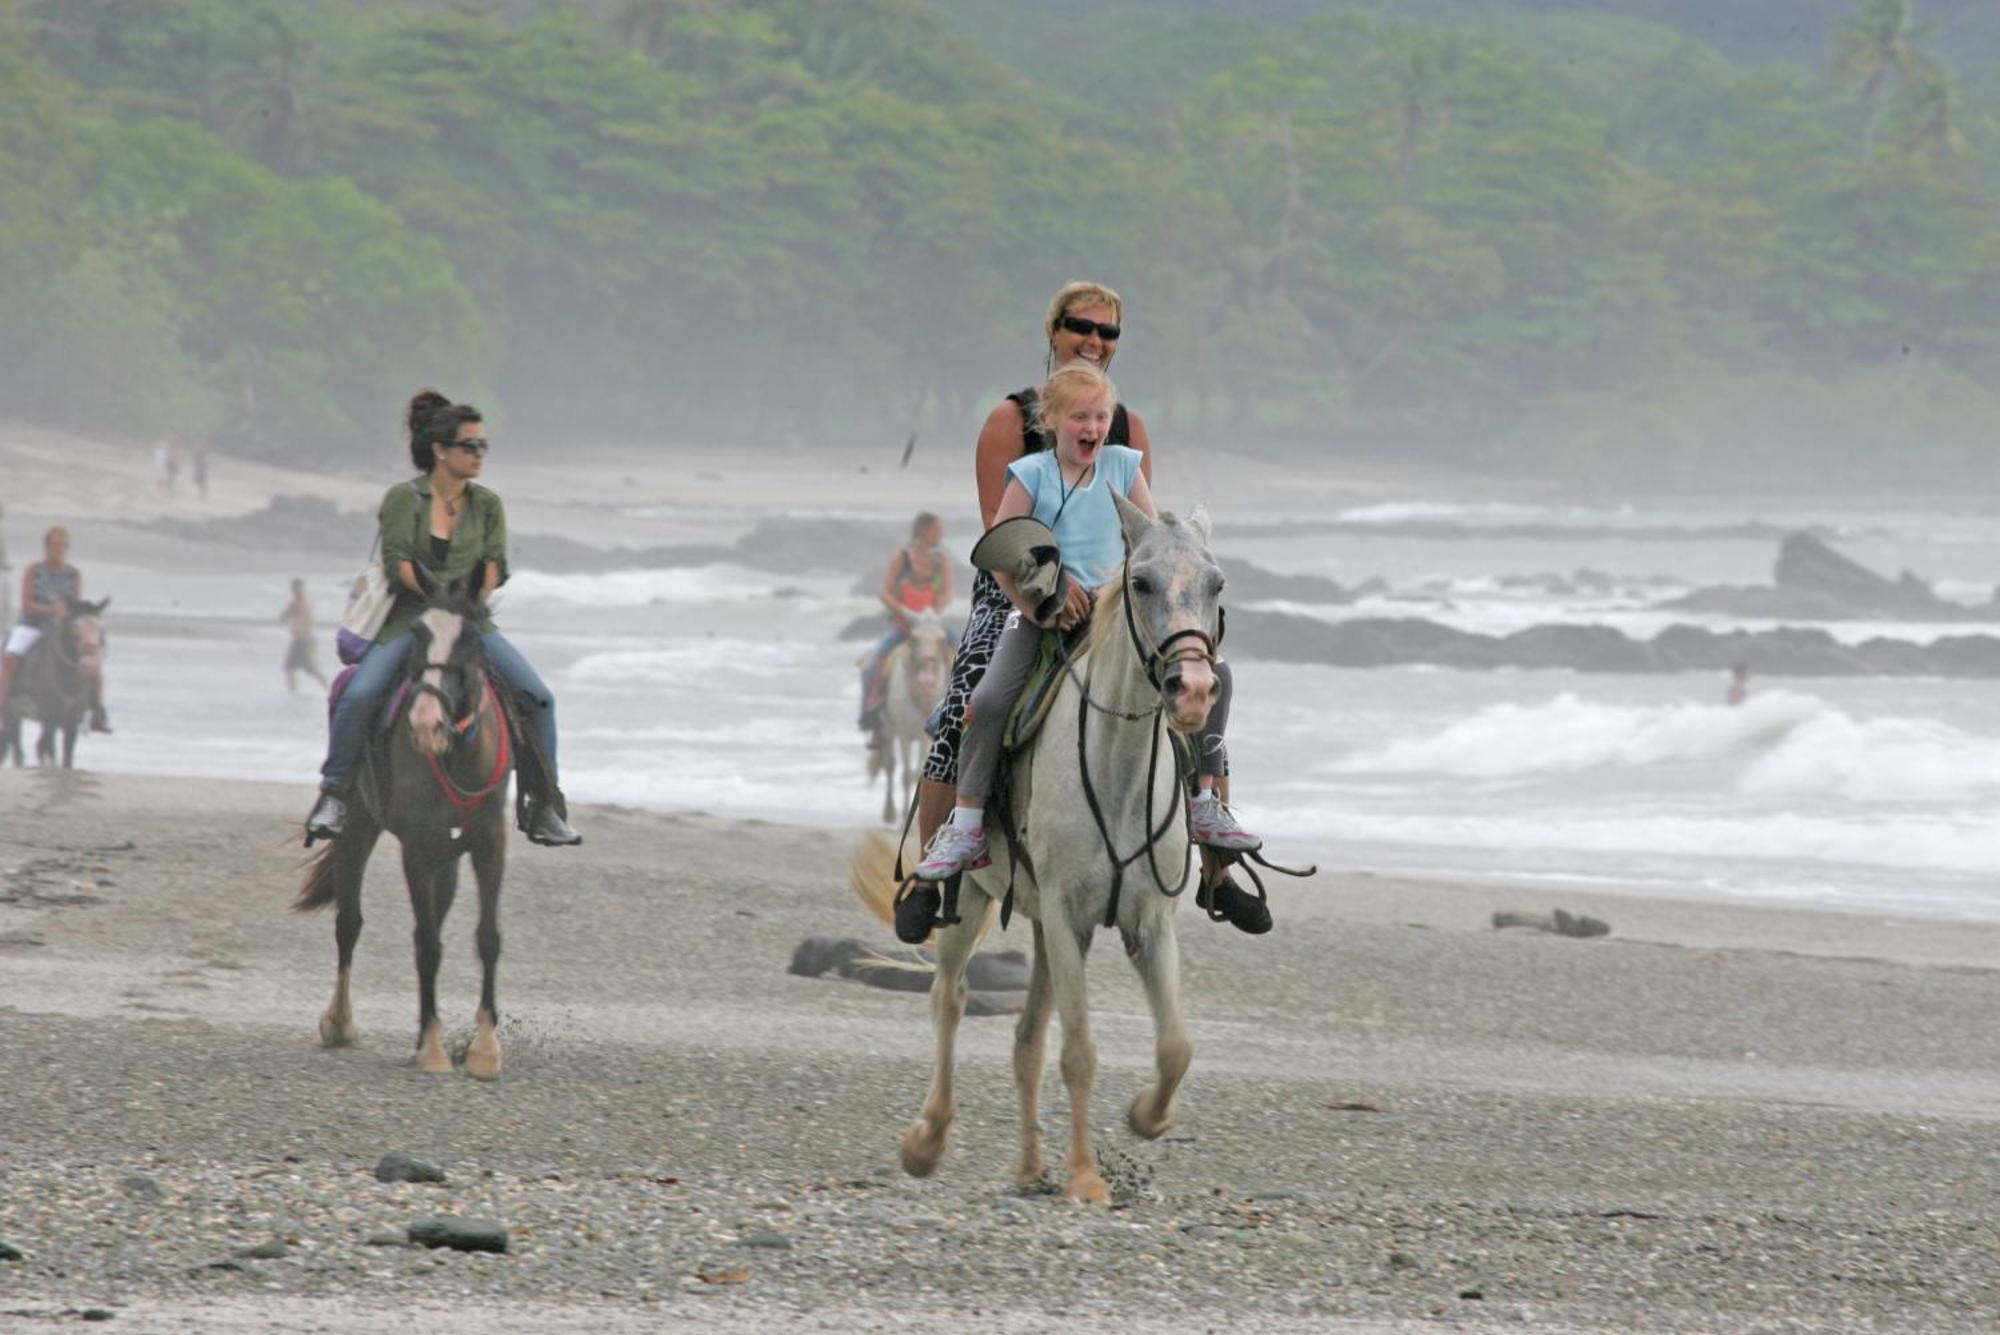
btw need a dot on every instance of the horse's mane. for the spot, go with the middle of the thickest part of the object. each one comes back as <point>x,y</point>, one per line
<point>1110,609</point>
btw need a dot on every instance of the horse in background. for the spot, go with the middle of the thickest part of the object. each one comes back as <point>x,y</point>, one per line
<point>53,684</point>
<point>1098,801</point>
<point>915,674</point>
<point>437,780</point>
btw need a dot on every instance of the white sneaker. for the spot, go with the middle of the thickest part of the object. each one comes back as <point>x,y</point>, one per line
<point>953,850</point>
<point>1210,823</point>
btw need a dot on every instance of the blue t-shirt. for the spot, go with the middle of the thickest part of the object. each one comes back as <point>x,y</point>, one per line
<point>1084,519</point>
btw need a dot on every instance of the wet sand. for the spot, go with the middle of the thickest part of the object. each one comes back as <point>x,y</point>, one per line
<point>1718,1118</point>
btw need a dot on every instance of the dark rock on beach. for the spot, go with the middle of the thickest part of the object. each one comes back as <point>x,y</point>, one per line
<point>464,1235</point>
<point>901,969</point>
<point>9,1252</point>
<point>397,1166</point>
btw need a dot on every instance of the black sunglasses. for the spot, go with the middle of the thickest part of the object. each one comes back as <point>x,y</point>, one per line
<point>1076,324</point>
<point>470,446</point>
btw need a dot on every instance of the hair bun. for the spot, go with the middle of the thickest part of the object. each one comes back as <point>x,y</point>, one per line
<point>423,404</point>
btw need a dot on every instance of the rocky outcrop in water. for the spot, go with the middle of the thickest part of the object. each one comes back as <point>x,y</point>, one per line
<point>1813,582</point>
<point>1789,651</point>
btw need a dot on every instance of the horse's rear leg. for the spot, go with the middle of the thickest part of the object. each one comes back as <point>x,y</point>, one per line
<point>489,865</point>
<point>432,874</point>
<point>350,853</point>
<point>1031,1036</point>
<point>1151,1111</point>
<point>891,749</point>
<point>1064,949</point>
<point>924,1142</point>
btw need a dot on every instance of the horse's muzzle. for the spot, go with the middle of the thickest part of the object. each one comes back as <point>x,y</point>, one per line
<point>1188,692</point>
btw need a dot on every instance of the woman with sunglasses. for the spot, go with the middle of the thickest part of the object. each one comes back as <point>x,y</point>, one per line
<point>1084,323</point>
<point>457,530</point>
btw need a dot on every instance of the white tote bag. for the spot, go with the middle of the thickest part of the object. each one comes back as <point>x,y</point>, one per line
<point>368,602</point>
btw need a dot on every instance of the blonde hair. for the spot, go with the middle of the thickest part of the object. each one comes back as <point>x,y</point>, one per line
<point>55,531</point>
<point>1070,383</point>
<point>1081,294</point>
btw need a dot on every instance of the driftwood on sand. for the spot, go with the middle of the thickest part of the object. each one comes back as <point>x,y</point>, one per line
<point>1558,921</point>
<point>997,980</point>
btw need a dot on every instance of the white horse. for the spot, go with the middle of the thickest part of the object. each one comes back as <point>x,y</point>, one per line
<point>916,672</point>
<point>1100,810</point>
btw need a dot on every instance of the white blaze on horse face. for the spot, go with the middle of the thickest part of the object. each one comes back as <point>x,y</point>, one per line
<point>1188,604</point>
<point>430,729</point>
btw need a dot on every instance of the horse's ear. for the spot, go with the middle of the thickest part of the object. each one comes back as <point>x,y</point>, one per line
<point>1132,519</point>
<point>97,608</point>
<point>1200,523</point>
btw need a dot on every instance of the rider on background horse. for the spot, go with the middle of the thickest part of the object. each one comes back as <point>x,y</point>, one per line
<point>457,530</point>
<point>49,587</point>
<point>918,580</point>
<point>1069,490</point>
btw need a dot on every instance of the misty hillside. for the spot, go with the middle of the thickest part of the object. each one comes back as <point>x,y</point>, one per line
<point>1635,243</point>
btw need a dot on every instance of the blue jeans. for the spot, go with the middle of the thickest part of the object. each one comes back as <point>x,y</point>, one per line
<point>382,667</point>
<point>889,641</point>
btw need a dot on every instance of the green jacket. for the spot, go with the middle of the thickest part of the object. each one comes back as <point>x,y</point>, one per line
<point>405,520</point>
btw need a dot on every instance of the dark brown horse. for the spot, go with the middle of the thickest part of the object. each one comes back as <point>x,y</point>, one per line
<point>54,684</point>
<point>437,780</point>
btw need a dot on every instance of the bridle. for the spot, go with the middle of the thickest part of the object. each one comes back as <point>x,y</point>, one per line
<point>1158,659</point>
<point>462,708</point>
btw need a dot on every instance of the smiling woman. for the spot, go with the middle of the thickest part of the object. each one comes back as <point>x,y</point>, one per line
<point>442,529</point>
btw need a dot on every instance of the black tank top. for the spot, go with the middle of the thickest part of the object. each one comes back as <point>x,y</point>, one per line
<point>1034,442</point>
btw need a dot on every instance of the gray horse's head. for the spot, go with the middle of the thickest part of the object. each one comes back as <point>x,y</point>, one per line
<point>1174,586</point>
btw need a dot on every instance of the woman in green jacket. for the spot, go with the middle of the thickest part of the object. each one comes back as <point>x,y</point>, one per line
<point>457,530</point>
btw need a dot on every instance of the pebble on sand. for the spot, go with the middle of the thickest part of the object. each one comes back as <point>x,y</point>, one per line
<point>396,1166</point>
<point>465,1235</point>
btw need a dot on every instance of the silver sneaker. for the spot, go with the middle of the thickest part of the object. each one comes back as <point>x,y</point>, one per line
<point>952,851</point>
<point>1212,824</point>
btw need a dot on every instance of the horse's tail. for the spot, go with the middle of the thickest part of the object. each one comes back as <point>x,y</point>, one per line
<point>321,870</point>
<point>871,872</point>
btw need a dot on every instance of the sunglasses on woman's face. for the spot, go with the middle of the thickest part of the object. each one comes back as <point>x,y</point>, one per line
<point>470,446</point>
<point>1076,324</point>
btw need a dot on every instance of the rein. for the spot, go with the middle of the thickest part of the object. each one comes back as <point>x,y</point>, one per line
<point>1156,660</point>
<point>465,801</point>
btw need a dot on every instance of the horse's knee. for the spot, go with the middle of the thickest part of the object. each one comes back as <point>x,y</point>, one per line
<point>1079,1062</point>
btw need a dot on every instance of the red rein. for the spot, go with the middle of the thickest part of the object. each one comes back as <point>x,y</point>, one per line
<point>463,802</point>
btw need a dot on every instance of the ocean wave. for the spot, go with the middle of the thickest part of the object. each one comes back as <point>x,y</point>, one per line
<point>698,585</point>
<point>1777,742</point>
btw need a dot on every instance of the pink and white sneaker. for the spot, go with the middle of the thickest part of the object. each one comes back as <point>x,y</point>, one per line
<point>1211,823</point>
<point>953,850</point>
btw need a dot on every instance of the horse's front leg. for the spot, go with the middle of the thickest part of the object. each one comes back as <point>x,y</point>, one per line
<point>351,851</point>
<point>1151,1111</point>
<point>432,874</point>
<point>1031,1035</point>
<point>489,864</point>
<point>888,751</point>
<point>923,1144</point>
<point>1065,947</point>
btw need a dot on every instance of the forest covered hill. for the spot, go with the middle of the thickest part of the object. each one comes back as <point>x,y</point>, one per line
<point>1635,242</point>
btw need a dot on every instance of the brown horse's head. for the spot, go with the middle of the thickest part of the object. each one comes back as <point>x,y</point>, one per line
<point>446,663</point>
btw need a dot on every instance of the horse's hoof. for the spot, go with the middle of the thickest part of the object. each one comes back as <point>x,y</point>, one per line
<point>333,1034</point>
<point>1145,1121</point>
<point>1087,1188</point>
<point>922,1149</point>
<point>483,1064</point>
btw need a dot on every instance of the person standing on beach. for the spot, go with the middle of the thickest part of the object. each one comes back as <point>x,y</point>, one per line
<point>48,587</point>
<point>458,530</point>
<point>1739,684</point>
<point>299,657</point>
<point>1083,323</point>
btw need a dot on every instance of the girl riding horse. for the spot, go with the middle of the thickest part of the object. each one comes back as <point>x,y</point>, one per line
<point>457,530</point>
<point>918,580</point>
<point>1070,491</point>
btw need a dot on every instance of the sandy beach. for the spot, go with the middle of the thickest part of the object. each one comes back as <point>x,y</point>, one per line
<point>1718,1118</point>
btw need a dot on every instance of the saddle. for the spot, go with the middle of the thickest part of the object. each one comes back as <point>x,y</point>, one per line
<point>1038,696</point>
<point>392,706</point>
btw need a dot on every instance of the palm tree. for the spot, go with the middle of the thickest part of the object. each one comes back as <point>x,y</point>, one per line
<point>1879,39</point>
